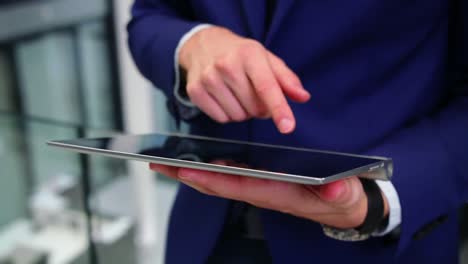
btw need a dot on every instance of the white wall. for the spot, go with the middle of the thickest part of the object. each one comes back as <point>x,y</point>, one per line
<point>138,117</point>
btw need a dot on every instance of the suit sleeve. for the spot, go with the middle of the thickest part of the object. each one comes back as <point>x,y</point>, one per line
<point>430,159</point>
<point>431,156</point>
<point>154,32</point>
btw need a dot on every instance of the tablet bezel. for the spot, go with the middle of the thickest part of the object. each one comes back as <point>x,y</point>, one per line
<point>382,169</point>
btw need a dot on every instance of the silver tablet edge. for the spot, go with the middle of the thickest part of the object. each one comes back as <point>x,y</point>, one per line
<point>381,170</point>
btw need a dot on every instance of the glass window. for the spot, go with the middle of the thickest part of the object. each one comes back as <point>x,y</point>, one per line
<point>48,78</point>
<point>6,84</point>
<point>57,81</point>
<point>13,179</point>
<point>95,67</point>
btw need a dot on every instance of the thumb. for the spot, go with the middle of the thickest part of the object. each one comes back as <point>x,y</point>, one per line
<point>342,193</point>
<point>332,192</point>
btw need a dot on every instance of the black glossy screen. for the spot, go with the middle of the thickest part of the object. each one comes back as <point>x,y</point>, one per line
<point>310,163</point>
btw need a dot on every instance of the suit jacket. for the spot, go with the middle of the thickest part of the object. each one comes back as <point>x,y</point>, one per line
<point>377,72</point>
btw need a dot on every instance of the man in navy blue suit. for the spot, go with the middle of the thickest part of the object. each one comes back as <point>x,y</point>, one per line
<point>377,72</point>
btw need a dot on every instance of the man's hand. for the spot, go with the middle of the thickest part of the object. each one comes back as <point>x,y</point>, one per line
<point>341,204</point>
<point>231,78</point>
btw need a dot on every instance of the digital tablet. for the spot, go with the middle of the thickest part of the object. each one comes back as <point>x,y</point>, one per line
<point>282,163</point>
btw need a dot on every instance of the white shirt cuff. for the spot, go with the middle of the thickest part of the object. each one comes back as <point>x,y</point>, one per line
<point>182,41</point>
<point>394,215</point>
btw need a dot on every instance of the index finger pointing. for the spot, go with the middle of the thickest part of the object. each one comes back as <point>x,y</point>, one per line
<point>269,91</point>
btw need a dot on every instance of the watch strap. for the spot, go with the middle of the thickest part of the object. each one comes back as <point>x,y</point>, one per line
<point>375,207</point>
<point>372,222</point>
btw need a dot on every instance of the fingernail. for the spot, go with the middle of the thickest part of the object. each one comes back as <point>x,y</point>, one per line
<point>286,125</point>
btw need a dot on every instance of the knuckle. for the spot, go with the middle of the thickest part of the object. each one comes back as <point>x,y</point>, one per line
<point>208,78</point>
<point>194,90</point>
<point>250,47</point>
<point>224,64</point>
<point>263,88</point>
<point>227,67</point>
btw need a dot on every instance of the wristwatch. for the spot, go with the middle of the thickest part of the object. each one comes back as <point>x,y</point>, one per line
<point>374,219</point>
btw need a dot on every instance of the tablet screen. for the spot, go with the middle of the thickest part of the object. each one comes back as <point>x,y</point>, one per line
<point>280,159</point>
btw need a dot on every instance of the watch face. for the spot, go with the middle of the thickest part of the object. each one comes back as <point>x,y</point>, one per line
<point>344,234</point>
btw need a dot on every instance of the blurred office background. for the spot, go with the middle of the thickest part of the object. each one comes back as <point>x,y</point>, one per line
<point>65,72</point>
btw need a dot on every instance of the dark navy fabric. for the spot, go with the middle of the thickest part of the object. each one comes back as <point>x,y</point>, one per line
<point>377,72</point>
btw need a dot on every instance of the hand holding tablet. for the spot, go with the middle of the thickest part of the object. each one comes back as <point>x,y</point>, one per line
<point>341,204</point>
<point>313,184</point>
